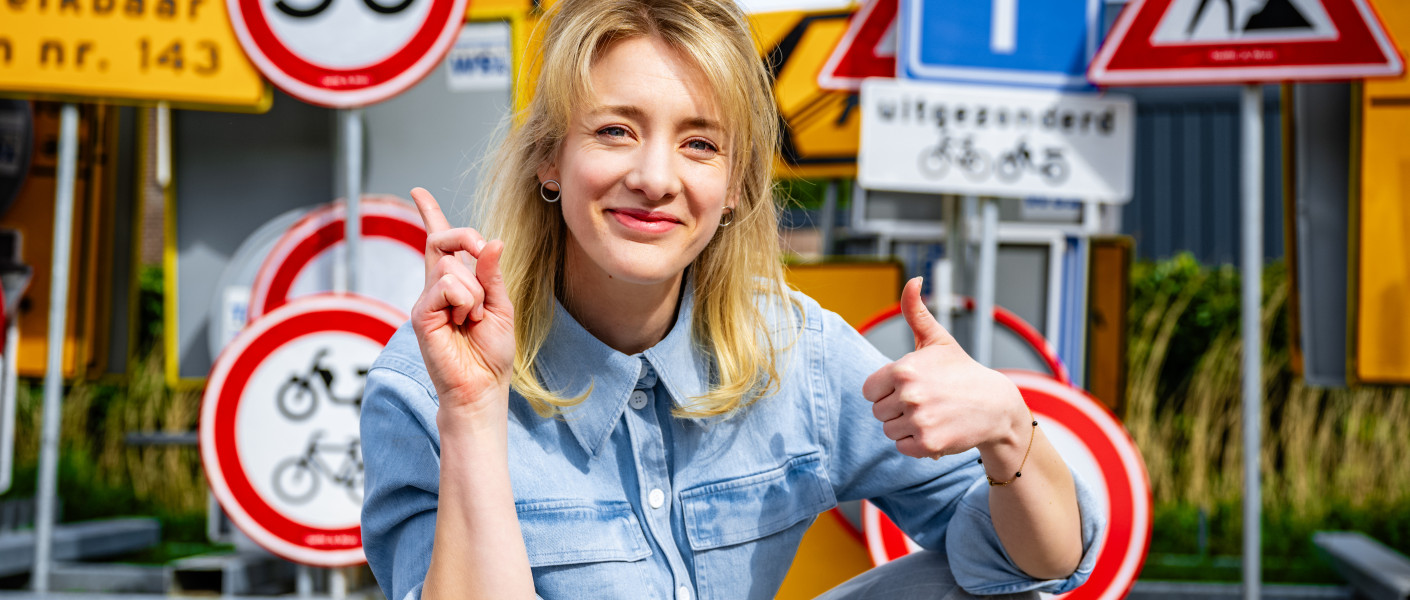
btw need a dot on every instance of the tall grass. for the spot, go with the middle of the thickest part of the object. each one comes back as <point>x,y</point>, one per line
<point>100,474</point>
<point>1331,458</point>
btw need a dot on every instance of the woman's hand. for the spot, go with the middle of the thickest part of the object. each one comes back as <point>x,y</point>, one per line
<point>463,320</point>
<point>937,400</point>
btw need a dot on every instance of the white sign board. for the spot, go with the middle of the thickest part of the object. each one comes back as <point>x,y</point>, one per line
<point>480,58</point>
<point>279,426</point>
<point>992,141</point>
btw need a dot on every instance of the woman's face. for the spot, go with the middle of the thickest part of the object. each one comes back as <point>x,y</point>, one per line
<point>643,168</point>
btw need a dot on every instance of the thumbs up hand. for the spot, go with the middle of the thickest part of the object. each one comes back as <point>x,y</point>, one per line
<point>938,401</point>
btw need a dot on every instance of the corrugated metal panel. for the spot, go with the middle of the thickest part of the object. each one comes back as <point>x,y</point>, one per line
<point>1187,174</point>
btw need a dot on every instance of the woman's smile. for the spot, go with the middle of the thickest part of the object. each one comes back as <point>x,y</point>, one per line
<point>644,221</point>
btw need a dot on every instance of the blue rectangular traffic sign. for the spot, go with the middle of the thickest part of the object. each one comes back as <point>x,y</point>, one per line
<point>1031,43</point>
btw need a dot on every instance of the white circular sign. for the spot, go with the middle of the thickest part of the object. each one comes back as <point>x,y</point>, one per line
<point>345,53</point>
<point>308,258</point>
<point>279,426</point>
<point>1095,445</point>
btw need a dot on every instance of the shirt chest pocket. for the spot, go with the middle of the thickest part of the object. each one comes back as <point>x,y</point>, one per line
<point>584,548</point>
<point>753,524</point>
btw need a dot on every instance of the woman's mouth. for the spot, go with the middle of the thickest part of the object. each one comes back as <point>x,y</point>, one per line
<point>644,221</point>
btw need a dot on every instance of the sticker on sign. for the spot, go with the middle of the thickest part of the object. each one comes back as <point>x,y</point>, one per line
<point>992,141</point>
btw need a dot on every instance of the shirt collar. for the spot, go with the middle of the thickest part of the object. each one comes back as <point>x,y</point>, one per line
<point>573,362</point>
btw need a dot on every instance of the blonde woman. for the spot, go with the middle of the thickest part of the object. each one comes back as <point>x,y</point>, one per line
<point>619,397</point>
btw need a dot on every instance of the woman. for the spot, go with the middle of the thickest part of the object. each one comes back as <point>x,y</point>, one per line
<point>621,399</point>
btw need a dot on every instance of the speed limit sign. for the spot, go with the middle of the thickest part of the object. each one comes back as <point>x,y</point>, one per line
<point>346,53</point>
<point>279,426</point>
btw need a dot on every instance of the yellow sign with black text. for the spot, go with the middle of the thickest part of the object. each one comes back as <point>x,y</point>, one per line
<point>179,51</point>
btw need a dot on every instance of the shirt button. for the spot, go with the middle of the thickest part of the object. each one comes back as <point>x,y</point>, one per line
<point>647,378</point>
<point>682,593</point>
<point>657,498</point>
<point>638,400</point>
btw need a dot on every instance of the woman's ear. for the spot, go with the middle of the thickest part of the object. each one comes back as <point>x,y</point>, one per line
<point>548,171</point>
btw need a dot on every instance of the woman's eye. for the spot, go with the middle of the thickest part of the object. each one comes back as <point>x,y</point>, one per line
<point>701,145</point>
<point>613,131</point>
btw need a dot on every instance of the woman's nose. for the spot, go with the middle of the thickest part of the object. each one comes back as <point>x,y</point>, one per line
<point>654,174</point>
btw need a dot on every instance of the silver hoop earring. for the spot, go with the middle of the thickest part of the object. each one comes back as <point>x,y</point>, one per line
<point>544,191</point>
<point>728,217</point>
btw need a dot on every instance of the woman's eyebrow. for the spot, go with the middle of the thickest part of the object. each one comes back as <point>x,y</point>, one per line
<point>637,114</point>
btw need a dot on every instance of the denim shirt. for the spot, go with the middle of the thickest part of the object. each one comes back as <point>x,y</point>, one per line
<point>619,499</point>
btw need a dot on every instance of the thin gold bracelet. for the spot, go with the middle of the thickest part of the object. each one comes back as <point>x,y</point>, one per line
<point>1018,473</point>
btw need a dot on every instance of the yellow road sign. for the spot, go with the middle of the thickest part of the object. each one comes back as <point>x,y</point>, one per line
<point>823,127</point>
<point>180,51</point>
<point>1381,223</point>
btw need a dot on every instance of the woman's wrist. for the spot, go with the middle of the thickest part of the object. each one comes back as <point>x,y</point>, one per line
<point>474,414</point>
<point>1003,454</point>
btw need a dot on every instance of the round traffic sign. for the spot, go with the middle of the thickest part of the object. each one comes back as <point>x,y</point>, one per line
<point>1095,445</point>
<point>306,259</point>
<point>279,426</point>
<point>1017,345</point>
<point>345,53</point>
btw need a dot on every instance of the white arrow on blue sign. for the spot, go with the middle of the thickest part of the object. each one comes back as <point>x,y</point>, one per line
<point>1031,43</point>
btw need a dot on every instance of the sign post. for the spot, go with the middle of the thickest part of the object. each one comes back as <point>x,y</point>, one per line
<point>1166,42</point>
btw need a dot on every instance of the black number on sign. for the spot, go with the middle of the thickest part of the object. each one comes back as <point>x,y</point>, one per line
<point>303,13</point>
<point>171,57</point>
<point>211,65</point>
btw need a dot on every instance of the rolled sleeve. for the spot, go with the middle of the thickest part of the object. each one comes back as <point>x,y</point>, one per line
<point>982,566</point>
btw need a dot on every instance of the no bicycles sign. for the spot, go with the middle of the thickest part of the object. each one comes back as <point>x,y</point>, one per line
<point>279,426</point>
<point>992,141</point>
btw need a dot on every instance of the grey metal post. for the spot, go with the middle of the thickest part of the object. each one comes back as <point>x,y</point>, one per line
<point>988,270</point>
<point>351,121</point>
<point>828,222</point>
<point>1252,149</point>
<point>337,584</point>
<point>303,581</point>
<point>54,365</point>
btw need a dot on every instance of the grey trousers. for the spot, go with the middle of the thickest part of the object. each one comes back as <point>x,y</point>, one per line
<point>920,576</point>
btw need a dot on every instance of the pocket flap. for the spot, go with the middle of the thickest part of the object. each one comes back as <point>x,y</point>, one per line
<point>560,532</point>
<point>739,510</point>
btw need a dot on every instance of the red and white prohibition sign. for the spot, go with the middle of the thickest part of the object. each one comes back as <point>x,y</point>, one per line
<point>305,260</point>
<point>1099,450</point>
<point>279,426</point>
<point>345,53</point>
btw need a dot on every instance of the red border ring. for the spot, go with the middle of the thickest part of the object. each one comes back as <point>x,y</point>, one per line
<point>237,363</point>
<point>1127,539</point>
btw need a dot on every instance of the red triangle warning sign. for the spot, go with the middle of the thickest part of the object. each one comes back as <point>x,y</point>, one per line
<point>867,49</point>
<point>1166,42</point>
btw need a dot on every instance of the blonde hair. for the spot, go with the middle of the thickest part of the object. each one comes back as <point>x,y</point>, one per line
<point>738,274</point>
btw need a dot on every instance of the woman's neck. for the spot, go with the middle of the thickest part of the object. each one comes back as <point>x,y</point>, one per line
<point>628,317</point>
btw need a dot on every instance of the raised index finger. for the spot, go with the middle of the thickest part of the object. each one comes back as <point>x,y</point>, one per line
<point>430,210</point>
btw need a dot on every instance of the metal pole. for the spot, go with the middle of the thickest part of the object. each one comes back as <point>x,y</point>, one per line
<point>54,365</point>
<point>828,222</point>
<point>943,287</point>
<point>1252,148</point>
<point>303,581</point>
<point>988,269</point>
<point>337,585</point>
<point>351,120</point>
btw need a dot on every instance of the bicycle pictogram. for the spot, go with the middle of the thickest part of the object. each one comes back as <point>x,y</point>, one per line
<point>1014,163</point>
<point>297,478</point>
<point>935,161</point>
<point>298,397</point>
<point>304,13</point>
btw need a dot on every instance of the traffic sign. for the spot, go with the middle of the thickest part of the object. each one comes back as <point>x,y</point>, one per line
<point>867,49</point>
<point>991,141</point>
<point>305,259</point>
<point>1097,448</point>
<point>1168,42</point>
<point>178,52</point>
<point>346,53</point>
<point>821,127</point>
<point>1038,44</point>
<point>279,426</point>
